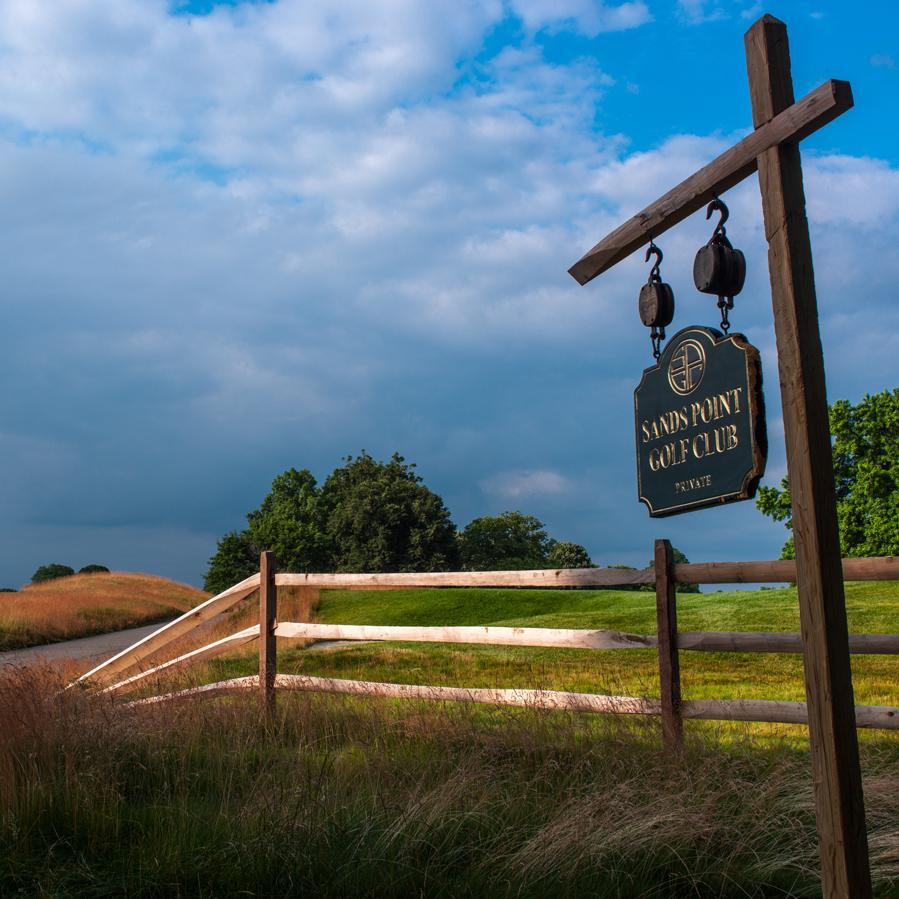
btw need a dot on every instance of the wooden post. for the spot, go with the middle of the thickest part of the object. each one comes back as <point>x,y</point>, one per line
<point>828,680</point>
<point>669,663</point>
<point>268,611</point>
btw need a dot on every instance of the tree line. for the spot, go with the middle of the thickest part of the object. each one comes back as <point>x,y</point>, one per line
<point>373,516</point>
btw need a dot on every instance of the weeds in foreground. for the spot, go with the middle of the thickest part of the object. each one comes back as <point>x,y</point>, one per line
<point>345,797</point>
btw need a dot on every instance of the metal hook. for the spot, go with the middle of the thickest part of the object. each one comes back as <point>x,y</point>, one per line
<point>718,206</point>
<point>650,250</point>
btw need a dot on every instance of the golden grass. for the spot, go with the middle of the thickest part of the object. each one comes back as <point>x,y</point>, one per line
<point>85,604</point>
<point>339,796</point>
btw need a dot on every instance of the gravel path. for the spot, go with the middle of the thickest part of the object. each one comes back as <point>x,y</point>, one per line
<point>103,646</point>
<point>96,648</point>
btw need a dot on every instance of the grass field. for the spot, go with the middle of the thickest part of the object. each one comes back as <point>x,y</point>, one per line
<point>85,604</point>
<point>872,608</point>
<point>343,797</point>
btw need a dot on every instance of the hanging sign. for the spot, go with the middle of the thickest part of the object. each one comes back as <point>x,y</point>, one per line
<point>700,421</point>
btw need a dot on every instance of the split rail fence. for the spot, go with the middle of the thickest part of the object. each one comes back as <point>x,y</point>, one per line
<point>668,641</point>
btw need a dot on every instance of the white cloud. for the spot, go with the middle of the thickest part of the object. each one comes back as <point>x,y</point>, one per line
<point>270,236</point>
<point>517,485</point>
<point>590,17</point>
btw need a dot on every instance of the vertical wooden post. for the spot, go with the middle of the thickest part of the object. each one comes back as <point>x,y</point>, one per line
<point>828,681</point>
<point>669,662</point>
<point>268,610</point>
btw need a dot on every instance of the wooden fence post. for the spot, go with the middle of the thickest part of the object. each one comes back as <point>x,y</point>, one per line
<point>843,845</point>
<point>669,664</point>
<point>268,611</point>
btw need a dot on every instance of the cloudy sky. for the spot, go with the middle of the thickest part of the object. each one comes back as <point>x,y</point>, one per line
<point>239,237</point>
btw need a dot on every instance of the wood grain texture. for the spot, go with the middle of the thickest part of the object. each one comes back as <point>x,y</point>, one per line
<point>883,568</point>
<point>666,629</point>
<point>793,123</point>
<point>268,645</point>
<point>209,651</point>
<point>550,577</point>
<point>137,652</point>
<point>496,636</point>
<point>882,717</point>
<point>563,638</point>
<point>764,641</point>
<point>831,711</point>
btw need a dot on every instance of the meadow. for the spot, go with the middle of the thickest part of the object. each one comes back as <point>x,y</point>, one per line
<point>85,604</point>
<point>340,796</point>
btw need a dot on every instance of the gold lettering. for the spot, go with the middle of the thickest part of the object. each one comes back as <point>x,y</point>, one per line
<point>732,437</point>
<point>719,440</point>
<point>646,435</point>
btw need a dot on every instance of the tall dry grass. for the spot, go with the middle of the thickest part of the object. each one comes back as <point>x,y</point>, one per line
<point>84,604</point>
<point>341,797</point>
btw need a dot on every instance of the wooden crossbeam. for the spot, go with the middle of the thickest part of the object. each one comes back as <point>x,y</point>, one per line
<point>812,112</point>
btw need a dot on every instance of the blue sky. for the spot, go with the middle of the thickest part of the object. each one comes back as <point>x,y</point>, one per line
<point>243,237</point>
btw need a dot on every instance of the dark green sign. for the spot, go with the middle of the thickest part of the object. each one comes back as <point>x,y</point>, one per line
<point>700,416</point>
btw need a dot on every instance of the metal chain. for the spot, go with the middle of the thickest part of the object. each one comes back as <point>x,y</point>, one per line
<point>657,336</point>
<point>725,304</point>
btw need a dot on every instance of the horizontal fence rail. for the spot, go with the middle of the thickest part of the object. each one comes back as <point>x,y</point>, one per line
<point>540,577</point>
<point>882,568</point>
<point>700,641</point>
<point>663,575</point>
<point>776,712</point>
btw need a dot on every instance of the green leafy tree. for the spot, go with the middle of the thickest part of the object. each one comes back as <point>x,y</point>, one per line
<point>565,554</point>
<point>866,474</point>
<point>507,542</point>
<point>291,523</point>
<point>381,517</point>
<point>93,569</point>
<point>51,572</point>
<point>235,558</point>
<point>680,559</point>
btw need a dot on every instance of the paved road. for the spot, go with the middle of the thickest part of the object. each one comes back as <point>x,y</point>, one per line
<point>103,646</point>
<point>95,648</point>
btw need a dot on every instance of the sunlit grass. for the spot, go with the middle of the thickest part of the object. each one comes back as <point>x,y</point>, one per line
<point>343,797</point>
<point>84,604</point>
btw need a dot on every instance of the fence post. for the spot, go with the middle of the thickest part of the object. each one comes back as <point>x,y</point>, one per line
<point>268,610</point>
<point>669,664</point>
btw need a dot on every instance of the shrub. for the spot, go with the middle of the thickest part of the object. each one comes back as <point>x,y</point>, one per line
<point>565,554</point>
<point>51,572</point>
<point>93,569</point>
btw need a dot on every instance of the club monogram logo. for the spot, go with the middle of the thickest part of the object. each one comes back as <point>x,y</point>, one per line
<point>687,367</point>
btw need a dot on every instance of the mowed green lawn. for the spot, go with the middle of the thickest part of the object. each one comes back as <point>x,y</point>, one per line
<point>872,608</point>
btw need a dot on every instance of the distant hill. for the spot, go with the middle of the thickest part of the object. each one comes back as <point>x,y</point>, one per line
<point>85,604</point>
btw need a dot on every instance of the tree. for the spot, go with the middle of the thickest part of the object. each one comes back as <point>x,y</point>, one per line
<point>381,517</point>
<point>866,475</point>
<point>565,554</point>
<point>235,558</point>
<point>93,569</point>
<point>51,572</point>
<point>291,523</point>
<point>507,542</point>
